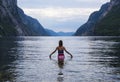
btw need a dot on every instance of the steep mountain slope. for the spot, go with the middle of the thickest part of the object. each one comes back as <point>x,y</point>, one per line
<point>101,22</point>
<point>110,24</point>
<point>86,28</point>
<point>11,21</point>
<point>33,25</point>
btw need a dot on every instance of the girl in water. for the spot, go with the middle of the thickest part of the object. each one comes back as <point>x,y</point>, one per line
<point>61,50</point>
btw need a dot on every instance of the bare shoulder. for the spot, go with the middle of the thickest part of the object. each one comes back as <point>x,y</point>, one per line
<point>63,47</point>
<point>57,47</point>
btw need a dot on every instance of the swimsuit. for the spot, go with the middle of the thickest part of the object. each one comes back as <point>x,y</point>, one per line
<point>60,55</point>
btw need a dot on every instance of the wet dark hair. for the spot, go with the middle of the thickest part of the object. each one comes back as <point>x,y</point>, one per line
<point>60,43</point>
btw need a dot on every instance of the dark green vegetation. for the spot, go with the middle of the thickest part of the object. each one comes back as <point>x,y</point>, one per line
<point>87,28</point>
<point>110,24</point>
<point>7,29</point>
<point>105,22</point>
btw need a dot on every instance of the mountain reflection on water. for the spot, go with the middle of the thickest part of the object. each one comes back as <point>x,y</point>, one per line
<point>6,58</point>
<point>26,59</point>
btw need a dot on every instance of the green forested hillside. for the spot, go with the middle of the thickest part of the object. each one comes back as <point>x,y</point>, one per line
<point>110,24</point>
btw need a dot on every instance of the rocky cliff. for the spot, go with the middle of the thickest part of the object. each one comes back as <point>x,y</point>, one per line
<point>33,25</point>
<point>110,24</point>
<point>92,26</point>
<point>13,24</point>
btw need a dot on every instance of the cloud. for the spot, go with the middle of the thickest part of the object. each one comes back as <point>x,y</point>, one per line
<point>93,1</point>
<point>61,3</point>
<point>104,1</point>
<point>60,14</point>
<point>60,18</point>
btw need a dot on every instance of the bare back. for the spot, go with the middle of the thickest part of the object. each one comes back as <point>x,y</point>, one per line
<point>60,49</point>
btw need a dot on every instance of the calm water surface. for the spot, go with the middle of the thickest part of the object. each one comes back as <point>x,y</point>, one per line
<point>26,59</point>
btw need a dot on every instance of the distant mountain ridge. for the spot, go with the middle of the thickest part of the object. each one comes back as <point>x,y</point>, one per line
<point>13,21</point>
<point>65,33</point>
<point>95,26</point>
<point>53,33</point>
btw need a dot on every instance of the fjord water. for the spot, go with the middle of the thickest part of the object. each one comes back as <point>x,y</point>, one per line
<point>26,59</point>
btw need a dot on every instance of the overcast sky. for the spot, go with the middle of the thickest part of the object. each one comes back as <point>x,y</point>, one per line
<point>61,15</point>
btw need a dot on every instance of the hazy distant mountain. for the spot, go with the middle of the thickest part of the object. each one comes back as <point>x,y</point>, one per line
<point>13,21</point>
<point>106,21</point>
<point>65,33</point>
<point>53,33</point>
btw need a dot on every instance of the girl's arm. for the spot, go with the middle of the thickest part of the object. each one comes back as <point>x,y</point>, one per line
<point>53,52</point>
<point>68,53</point>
